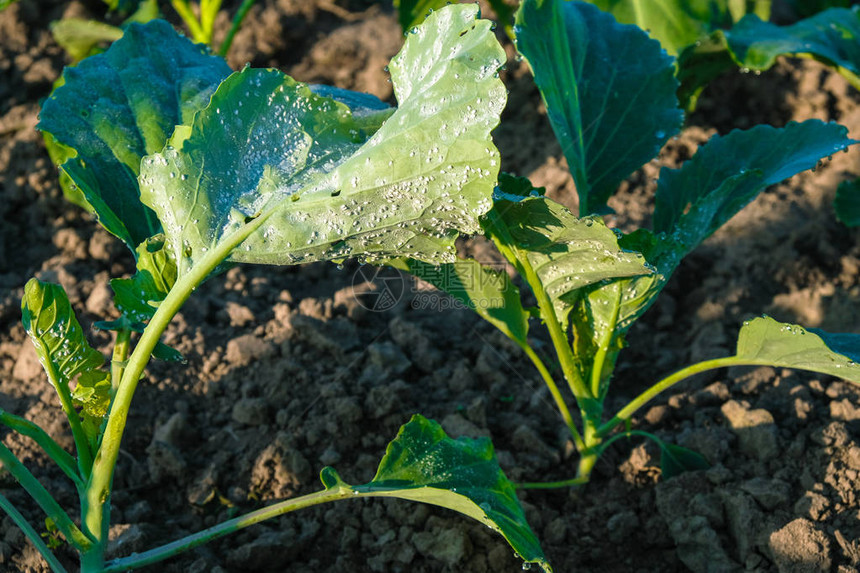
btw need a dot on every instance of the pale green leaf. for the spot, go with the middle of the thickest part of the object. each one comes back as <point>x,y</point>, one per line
<point>82,38</point>
<point>289,177</point>
<point>766,341</point>
<point>674,23</point>
<point>118,106</point>
<point>568,255</point>
<point>609,91</point>
<point>66,355</point>
<point>423,464</point>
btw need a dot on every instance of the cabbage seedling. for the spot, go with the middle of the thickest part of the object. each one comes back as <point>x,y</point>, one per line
<point>610,96</point>
<point>196,168</point>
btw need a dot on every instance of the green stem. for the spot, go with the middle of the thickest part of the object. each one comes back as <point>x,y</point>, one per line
<point>341,491</point>
<point>603,345</point>
<point>559,339</point>
<point>627,411</point>
<point>552,484</point>
<point>121,348</point>
<point>31,534</point>
<point>237,22</point>
<point>38,492</point>
<point>96,505</point>
<point>187,14</point>
<point>62,458</point>
<point>556,395</point>
<point>82,445</point>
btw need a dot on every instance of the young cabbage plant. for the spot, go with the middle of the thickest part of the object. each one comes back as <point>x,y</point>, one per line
<point>196,169</point>
<point>609,91</point>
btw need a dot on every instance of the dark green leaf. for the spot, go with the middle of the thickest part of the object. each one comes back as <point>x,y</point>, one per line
<point>609,92</point>
<point>82,38</point>
<point>487,291</point>
<point>847,203</point>
<point>727,173</point>
<point>118,106</point>
<point>291,177</point>
<point>753,44</point>
<point>167,353</point>
<point>766,341</point>
<point>832,36</point>
<point>423,464</point>
<point>675,460</point>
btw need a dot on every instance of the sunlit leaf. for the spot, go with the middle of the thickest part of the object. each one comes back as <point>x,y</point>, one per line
<point>766,341</point>
<point>423,464</point>
<point>288,176</point>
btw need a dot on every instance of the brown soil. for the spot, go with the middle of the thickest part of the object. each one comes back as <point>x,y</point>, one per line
<point>288,373</point>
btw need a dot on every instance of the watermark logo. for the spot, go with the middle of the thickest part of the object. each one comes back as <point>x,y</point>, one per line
<point>378,288</point>
<point>446,287</point>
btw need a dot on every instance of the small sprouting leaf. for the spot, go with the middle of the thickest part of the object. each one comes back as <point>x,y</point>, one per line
<point>727,173</point>
<point>766,341</point>
<point>92,393</point>
<point>608,88</point>
<point>487,291</point>
<point>272,173</point>
<point>56,333</point>
<point>675,460</point>
<point>167,353</point>
<point>423,464</point>
<point>847,203</point>
<point>66,355</point>
<point>138,297</point>
<point>118,106</point>
<point>81,38</point>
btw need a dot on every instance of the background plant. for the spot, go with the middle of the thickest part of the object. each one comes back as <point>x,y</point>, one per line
<point>196,169</point>
<point>610,96</point>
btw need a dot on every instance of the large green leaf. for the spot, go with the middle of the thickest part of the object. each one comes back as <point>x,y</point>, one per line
<point>292,177</point>
<point>727,173</point>
<point>609,92</point>
<point>832,36</point>
<point>488,291</point>
<point>680,23</point>
<point>423,464</point>
<point>65,353</point>
<point>118,106</point>
<point>766,341</point>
